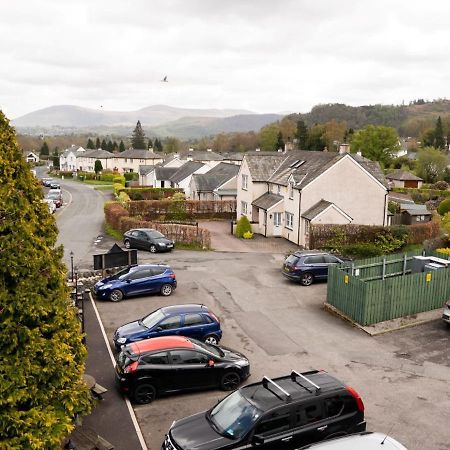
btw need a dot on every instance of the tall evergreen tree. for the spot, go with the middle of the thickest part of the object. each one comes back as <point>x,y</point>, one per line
<point>103,145</point>
<point>55,158</point>
<point>150,144</point>
<point>439,140</point>
<point>97,143</point>
<point>115,147</point>
<point>302,135</point>
<point>280,142</point>
<point>109,146</point>
<point>157,145</point>
<point>42,354</point>
<point>98,167</point>
<point>121,146</point>
<point>138,137</point>
<point>90,144</point>
<point>44,151</point>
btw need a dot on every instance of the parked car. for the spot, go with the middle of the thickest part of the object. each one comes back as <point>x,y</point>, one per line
<point>195,321</point>
<point>163,365</point>
<point>283,413</point>
<point>51,205</point>
<point>137,280</point>
<point>147,239</point>
<point>361,441</point>
<point>56,198</point>
<point>307,266</point>
<point>54,185</point>
<point>446,313</point>
<point>47,181</point>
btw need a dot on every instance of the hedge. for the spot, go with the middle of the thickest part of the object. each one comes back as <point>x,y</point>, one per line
<point>147,193</point>
<point>114,212</point>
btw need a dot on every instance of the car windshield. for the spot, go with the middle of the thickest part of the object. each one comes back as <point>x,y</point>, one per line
<point>155,234</point>
<point>53,195</point>
<point>234,416</point>
<point>208,347</point>
<point>119,275</point>
<point>291,260</point>
<point>152,319</point>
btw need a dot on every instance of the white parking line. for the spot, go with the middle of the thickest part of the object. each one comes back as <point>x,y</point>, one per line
<point>130,409</point>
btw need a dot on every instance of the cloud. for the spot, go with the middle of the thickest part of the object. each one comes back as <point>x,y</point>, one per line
<point>264,56</point>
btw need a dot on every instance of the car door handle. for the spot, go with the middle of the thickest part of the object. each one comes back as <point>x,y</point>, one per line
<point>286,439</point>
<point>322,428</point>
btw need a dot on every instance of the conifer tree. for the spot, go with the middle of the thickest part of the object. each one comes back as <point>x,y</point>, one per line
<point>150,144</point>
<point>103,145</point>
<point>138,137</point>
<point>90,144</point>
<point>45,151</point>
<point>109,146</point>
<point>280,142</point>
<point>55,158</point>
<point>439,141</point>
<point>157,145</point>
<point>121,146</point>
<point>98,143</point>
<point>42,354</point>
<point>115,147</point>
<point>302,135</point>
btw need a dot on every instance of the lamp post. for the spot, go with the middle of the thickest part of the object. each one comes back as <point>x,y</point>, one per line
<point>71,265</point>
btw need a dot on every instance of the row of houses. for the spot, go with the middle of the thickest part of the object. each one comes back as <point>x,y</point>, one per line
<point>281,193</point>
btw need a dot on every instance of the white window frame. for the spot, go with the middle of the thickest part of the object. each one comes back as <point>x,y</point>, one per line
<point>244,182</point>
<point>244,209</point>
<point>289,220</point>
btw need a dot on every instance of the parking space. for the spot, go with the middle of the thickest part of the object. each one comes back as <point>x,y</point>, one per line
<point>402,377</point>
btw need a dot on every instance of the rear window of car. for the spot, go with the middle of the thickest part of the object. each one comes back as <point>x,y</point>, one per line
<point>158,270</point>
<point>317,259</point>
<point>193,319</point>
<point>292,260</point>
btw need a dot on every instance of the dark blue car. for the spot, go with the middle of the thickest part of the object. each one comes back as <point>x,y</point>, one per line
<point>194,321</point>
<point>137,280</point>
<point>307,266</point>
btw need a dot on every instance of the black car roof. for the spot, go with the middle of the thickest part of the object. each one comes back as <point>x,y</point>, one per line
<point>189,308</point>
<point>266,395</point>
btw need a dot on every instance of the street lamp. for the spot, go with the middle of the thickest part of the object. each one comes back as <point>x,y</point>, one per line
<point>71,264</point>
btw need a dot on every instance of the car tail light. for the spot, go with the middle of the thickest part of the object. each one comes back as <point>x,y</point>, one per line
<point>172,275</point>
<point>131,367</point>
<point>355,395</point>
<point>214,316</point>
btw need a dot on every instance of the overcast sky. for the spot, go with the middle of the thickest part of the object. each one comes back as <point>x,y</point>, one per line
<point>261,55</point>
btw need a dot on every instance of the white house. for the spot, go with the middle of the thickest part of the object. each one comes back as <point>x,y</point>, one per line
<point>68,158</point>
<point>86,160</point>
<point>32,157</point>
<point>131,159</point>
<point>182,177</point>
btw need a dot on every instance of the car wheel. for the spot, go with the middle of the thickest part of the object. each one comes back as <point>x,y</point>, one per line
<point>230,381</point>
<point>152,248</point>
<point>211,339</point>
<point>144,393</point>
<point>307,279</point>
<point>166,290</point>
<point>127,244</point>
<point>116,295</point>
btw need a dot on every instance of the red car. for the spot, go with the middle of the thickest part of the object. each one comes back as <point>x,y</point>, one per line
<point>57,198</point>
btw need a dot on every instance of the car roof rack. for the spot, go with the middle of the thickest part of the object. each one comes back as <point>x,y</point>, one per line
<point>295,375</point>
<point>268,383</point>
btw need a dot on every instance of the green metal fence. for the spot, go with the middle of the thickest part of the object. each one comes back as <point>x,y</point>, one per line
<point>378,289</point>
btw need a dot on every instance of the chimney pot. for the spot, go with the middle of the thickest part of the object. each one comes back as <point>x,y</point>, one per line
<point>344,148</point>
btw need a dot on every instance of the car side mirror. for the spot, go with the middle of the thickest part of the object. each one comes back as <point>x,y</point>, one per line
<point>211,363</point>
<point>257,439</point>
<point>158,329</point>
<point>128,280</point>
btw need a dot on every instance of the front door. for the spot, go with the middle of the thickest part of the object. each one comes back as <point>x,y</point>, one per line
<point>277,224</point>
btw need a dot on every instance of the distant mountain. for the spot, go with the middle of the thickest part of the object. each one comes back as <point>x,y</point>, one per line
<point>69,116</point>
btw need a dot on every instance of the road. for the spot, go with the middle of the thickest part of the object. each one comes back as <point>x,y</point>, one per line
<point>403,377</point>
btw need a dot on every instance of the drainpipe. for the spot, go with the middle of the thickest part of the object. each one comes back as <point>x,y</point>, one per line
<point>265,223</point>
<point>299,217</point>
<point>385,210</point>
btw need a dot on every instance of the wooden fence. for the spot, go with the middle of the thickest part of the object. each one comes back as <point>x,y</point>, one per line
<point>369,294</point>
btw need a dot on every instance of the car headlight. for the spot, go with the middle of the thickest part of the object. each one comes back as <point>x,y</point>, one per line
<point>105,286</point>
<point>121,340</point>
<point>162,244</point>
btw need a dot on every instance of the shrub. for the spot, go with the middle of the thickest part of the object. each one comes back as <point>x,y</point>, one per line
<point>388,243</point>
<point>446,222</point>
<point>118,188</point>
<point>446,251</point>
<point>123,197</point>
<point>114,212</point>
<point>107,177</point>
<point>444,207</point>
<point>243,226</point>
<point>131,176</point>
<point>248,235</point>
<point>362,250</point>
<point>399,232</point>
<point>119,180</point>
<point>441,185</point>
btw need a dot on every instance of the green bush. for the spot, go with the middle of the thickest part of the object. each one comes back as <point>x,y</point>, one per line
<point>243,226</point>
<point>362,250</point>
<point>108,177</point>
<point>446,251</point>
<point>131,176</point>
<point>248,235</point>
<point>123,197</point>
<point>388,243</point>
<point>118,188</point>
<point>399,232</point>
<point>119,180</point>
<point>444,207</point>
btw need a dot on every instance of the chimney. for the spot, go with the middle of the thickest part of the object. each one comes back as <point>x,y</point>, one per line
<point>191,149</point>
<point>344,148</point>
<point>359,153</point>
<point>209,150</point>
<point>257,150</point>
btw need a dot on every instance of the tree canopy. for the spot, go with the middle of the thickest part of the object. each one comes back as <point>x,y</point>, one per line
<point>42,354</point>
<point>138,137</point>
<point>431,164</point>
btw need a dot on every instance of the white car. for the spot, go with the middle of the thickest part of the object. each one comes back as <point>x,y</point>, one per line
<point>446,312</point>
<point>361,441</point>
<point>51,205</point>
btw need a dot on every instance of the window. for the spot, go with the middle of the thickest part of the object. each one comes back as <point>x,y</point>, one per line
<point>157,358</point>
<point>309,414</point>
<point>278,189</point>
<point>158,270</point>
<point>290,221</point>
<point>244,208</point>
<point>170,323</point>
<point>193,319</point>
<point>277,423</point>
<point>277,219</point>
<point>333,406</point>
<point>319,259</point>
<point>244,182</point>
<point>331,259</point>
<point>307,226</point>
<point>291,190</point>
<point>188,357</point>
<point>140,274</point>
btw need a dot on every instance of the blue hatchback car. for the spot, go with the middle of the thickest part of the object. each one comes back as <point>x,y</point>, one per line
<point>137,280</point>
<point>193,321</point>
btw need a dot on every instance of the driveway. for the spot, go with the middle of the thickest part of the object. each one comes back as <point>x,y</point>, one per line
<point>223,241</point>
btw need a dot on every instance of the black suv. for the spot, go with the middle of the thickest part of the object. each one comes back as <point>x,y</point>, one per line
<point>307,266</point>
<point>283,413</point>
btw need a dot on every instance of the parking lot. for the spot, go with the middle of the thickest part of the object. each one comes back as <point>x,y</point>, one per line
<point>403,377</point>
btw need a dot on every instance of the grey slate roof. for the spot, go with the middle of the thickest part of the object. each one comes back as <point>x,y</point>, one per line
<point>316,209</point>
<point>262,166</point>
<point>415,210</point>
<point>97,153</point>
<point>139,154</point>
<point>185,170</point>
<point>399,197</point>
<point>164,173</point>
<point>267,200</point>
<point>403,175</point>
<point>215,177</point>
<point>198,155</point>
<point>145,170</point>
